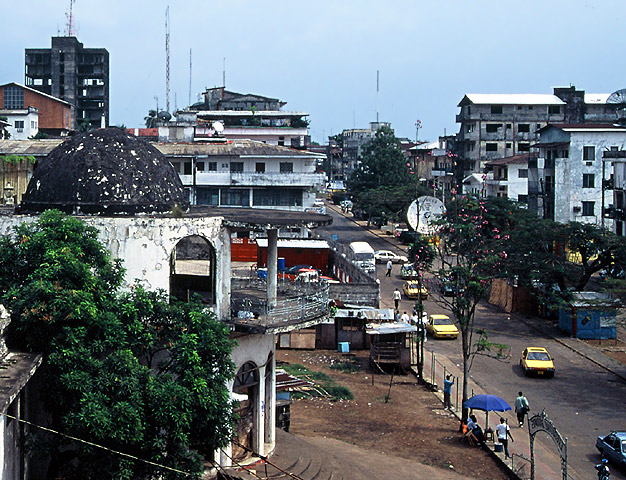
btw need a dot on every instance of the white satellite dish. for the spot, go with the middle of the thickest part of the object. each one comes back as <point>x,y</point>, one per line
<point>218,127</point>
<point>423,213</point>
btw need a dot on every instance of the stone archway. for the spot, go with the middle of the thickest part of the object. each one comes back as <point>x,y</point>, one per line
<point>193,269</point>
<point>245,391</point>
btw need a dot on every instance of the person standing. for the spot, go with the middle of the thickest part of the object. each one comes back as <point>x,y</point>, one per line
<point>396,298</point>
<point>405,318</point>
<point>504,433</point>
<point>389,267</point>
<point>447,392</point>
<point>521,408</point>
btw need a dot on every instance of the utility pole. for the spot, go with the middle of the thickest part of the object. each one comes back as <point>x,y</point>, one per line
<point>167,58</point>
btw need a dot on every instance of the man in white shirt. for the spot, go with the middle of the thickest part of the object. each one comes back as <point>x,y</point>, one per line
<point>405,318</point>
<point>396,298</point>
<point>504,433</point>
<point>389,267</point>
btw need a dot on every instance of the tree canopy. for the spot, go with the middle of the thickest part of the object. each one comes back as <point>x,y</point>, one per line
<point>129,370</point>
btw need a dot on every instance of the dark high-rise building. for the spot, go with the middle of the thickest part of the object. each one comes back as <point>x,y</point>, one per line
<point>78,75</point>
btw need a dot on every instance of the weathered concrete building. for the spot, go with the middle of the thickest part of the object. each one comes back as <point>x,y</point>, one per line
<point>565,181</point>
<point>508,177</point>
<point>129,191</point>
<point>72,73</point>
<point>494,126</point>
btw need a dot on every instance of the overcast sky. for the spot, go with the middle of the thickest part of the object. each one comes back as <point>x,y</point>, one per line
<point>321,57</point>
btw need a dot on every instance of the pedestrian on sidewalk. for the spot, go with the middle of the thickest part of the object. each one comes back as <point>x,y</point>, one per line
<point>396,298</point>
<point>405,318</point>
<point>389,267</point>
<point>521,408</point>
<point>447,391</point>
<point>504,433</point>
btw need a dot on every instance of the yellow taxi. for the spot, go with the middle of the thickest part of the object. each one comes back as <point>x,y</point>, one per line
<point>412,289</point>
<point>537,361</point>
<point>440,326</point>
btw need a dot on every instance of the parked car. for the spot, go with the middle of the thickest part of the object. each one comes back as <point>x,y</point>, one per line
<point>407,237</point>
<point>440,326</point>
<point>449,288</point>
<point>383,256</point>
<point>537,360</point>
<point>412,289</point>
<point>613,448</point>
<point>408,271</point>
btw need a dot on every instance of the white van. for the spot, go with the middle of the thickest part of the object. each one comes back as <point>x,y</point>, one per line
<point>363,256</point>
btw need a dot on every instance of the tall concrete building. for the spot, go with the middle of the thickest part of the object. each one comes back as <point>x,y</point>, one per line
<point>78,75</point>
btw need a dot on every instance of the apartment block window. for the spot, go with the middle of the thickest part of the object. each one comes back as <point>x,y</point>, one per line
<point>522,173</point>
<point>523,128</point>
<point>554,109</point>
<point>469,110</point>
<point>588,209</point>
<point>509,145</point>
<point>509,126</point>
<point>496,109</point>
<point>19,124</point>
<point>236,167</point>
<point>538,127</point>
<point>589,180</point>
<point>13,97</point>
<point>281,141</point>
<point>260,167</point>
<point>564,153</point>
<point>523,147</point>
<point>200,166</point>
<point>492,127</point>
<point>491,147</point>
<point>212,167</point>
<point>589,153</point>
<point>286,167</point>
<point>470,128</point>
<point>187,168</point>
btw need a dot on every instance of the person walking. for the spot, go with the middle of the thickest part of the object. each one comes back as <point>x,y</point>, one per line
<point>521,408</point>
<point>504,433</point>
<point>389,267</point>
<point>447,392</point>
<point>396,298</point>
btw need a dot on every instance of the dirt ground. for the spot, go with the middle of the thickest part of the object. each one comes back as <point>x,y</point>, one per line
<point>411,425</point>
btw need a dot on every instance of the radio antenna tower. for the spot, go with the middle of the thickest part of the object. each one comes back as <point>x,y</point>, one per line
<point>167,58</point>
<point>70,30</point>
<point>189,78</point>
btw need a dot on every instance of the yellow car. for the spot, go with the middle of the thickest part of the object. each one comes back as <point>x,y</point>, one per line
<point>412,289</point>
<point>537,360</point>
<point>440,326</point>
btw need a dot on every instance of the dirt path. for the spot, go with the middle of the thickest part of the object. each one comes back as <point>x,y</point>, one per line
<point>412,425</point>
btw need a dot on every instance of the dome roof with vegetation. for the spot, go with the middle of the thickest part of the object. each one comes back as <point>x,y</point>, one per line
<point>104,172</point>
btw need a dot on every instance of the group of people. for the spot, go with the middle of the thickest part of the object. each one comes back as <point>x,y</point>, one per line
<point>474,433</point>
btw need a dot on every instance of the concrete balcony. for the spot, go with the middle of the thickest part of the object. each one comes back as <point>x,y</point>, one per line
<point>277,179</point>
<point>298,305</point>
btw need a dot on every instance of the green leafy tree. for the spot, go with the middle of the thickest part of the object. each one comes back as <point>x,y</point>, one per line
<point>151,119</point>
<point>4,133</point>
<point>128,371</point>
<point>470,252</point>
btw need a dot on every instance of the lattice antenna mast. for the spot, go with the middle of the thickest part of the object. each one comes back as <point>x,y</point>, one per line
<point>189,78</point>
<point>70,29</point>
<point>167,58</point>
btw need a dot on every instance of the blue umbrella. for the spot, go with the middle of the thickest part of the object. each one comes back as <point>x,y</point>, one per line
<point>487,403</point>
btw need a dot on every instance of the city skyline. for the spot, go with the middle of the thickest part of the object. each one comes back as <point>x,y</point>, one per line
<point>344,63</point>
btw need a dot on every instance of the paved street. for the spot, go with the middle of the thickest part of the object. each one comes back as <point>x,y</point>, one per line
<point>583,400</point>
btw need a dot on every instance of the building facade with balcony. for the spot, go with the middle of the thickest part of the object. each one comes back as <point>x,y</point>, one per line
<point>54,116</point>
<point>615,213</point>
<point>508,177</point>
<point>246,173</point>
<point>494,126</point>
<point>566,180</point>
<point>75,74</point>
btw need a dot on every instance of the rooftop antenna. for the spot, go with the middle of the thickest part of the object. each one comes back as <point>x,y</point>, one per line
<point>70,31</point>
<point>167,58</point>
<point>224,72</point>
<point>377,88</point>
<point>189,77</point>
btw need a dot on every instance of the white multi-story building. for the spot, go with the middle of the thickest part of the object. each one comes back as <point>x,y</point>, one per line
<point>508,177</point>
<point>23,122</point>
<point>246,173</point>
<point>565,181</point>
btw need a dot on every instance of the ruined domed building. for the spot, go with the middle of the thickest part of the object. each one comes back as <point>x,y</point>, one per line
<point>128,190</point>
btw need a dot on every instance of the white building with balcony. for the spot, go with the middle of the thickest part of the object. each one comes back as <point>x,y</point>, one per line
<point>245,173</point>
<point>565,181</point>
<point>508,177</point>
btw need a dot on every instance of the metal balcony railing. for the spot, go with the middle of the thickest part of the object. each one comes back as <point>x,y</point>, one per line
<point>298,304</point>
